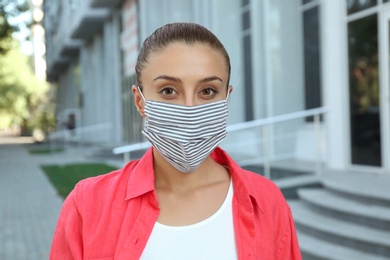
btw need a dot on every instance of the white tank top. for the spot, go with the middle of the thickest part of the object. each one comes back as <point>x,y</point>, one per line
<point>212,238</point>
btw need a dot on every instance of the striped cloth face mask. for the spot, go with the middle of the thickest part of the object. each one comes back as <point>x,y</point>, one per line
<point>185,135</point>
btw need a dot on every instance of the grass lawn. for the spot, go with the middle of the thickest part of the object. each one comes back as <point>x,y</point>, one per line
<point>65,177</point>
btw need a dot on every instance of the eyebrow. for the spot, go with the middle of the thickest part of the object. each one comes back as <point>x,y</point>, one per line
<point>174,79</point>
<point>212,78</point>
<point>169,78</point>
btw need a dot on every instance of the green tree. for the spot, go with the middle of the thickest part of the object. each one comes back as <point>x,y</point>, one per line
<point>22,96</point>
<point>10,9</point>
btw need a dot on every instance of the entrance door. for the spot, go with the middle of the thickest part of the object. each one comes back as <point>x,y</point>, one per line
<point>385,83</point>
<point>365,91</point>
<point>369,87</point>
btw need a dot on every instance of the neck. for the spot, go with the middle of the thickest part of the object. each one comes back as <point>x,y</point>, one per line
<point>168,177</point>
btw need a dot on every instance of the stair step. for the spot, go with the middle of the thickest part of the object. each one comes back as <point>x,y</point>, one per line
<point>370,186</point>
<point>369,214</point>
<point>348,234</point>
<point>314,248</point>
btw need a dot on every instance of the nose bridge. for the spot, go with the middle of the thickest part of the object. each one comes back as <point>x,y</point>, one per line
<point>189,99</point>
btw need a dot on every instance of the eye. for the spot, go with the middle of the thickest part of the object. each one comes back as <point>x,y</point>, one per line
<point>168,91</point>
<point>208,92</point>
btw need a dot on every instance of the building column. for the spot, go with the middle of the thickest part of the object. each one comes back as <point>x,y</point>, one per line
<point>335,83</point>
<point>112,81</point>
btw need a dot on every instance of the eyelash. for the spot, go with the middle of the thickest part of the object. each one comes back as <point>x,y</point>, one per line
<point>165,89</point>
<point>213,90</point>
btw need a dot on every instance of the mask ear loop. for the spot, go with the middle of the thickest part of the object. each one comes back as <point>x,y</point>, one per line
<point>139,90</point>
<point>227,95</point>
<point>143,123</point>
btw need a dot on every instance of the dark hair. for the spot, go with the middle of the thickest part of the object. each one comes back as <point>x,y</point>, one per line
<point>188,33</point>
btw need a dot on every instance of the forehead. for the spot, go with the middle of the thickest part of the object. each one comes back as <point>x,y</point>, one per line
<point>181,59</point>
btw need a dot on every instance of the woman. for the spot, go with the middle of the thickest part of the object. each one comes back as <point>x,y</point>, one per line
<point>185,198</point>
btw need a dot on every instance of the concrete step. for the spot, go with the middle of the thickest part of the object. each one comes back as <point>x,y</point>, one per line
<point>371,188</point>
<point>289,186</point>
<point>345,234</point>
<point>317,249</point>
<point>347,209</point>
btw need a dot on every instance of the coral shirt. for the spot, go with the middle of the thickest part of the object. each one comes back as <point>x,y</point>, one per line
<point>112,216</point>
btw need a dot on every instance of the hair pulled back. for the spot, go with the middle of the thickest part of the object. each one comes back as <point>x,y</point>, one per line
<point>188,33</point>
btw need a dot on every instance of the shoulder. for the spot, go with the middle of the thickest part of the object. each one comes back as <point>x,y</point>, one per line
<point>264,191</point>
<point>272,216</point>
<point>105,185</point>
<point>249,183</point>
<point>256,182</point>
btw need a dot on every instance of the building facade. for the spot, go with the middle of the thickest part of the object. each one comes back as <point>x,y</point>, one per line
<point>286,57</point>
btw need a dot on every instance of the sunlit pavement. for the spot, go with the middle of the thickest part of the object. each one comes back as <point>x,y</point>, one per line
<point>15,140</point>
<point>29,205</point>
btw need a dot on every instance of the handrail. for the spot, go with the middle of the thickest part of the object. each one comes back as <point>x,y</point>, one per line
<point>277,119</point>
<point>92,128</point>
<point>79,130</point>
<point>264,122</point>
<point>237,127</point>
<point>130,148</point>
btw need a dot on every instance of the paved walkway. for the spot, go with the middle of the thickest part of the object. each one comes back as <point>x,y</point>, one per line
<point>29,205</point>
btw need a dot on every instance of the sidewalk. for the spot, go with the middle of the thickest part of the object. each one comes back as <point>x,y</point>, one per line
<point>29,205</point>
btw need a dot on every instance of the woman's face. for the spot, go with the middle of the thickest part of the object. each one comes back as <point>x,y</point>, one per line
<point>183,74</point>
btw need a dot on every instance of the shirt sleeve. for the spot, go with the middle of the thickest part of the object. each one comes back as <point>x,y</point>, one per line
<point>67,240</point>
<point>289,246</point>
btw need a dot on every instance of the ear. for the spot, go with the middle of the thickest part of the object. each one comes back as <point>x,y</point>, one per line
<point>230,89</point>
<point>138,101</point>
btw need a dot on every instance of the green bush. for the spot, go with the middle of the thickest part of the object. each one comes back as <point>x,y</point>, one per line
<point>65,177</point>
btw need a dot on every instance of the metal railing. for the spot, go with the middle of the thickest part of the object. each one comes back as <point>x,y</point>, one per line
<point>68,135</point>
<point>265,124</point>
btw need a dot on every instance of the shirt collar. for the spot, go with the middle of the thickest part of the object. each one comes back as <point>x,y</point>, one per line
<point>244,186</point>
<point>141,177</point>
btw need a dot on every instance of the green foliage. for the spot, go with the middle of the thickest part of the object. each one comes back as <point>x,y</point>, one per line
<point>43,119</point>
<point>65,177</point>
<point>22,95</point>
<point>10,85</point>
<point>10,9</point>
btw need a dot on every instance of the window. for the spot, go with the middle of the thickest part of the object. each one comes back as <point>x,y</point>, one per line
<point>312,58</point>
<point>247,55</point>
<point>354,6</point>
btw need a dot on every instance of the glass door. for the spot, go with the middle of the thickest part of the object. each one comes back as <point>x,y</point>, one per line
<point>365,91</point>
<point>385,82</point>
